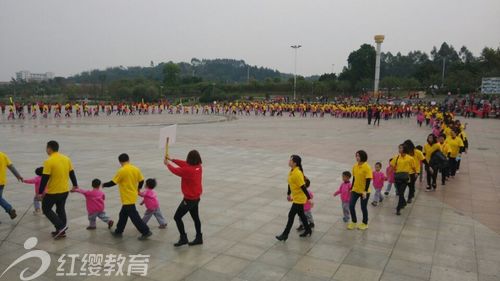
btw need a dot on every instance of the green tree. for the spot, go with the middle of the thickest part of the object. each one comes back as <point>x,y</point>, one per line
<point>171,73</point>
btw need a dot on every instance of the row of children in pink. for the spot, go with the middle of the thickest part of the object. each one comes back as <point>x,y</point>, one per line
<point>95,199</point>
<point>345,194</point>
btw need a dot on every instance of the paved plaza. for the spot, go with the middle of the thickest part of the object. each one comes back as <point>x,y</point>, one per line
<point>452,234</point>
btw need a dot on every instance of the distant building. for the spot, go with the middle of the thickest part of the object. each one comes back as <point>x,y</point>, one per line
<point>34,77</point>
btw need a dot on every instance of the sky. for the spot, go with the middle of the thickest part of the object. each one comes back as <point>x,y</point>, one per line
<point>68,37</point>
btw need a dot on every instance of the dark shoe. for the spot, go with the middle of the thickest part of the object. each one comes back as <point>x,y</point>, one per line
<point>12,214</point>
<point>398,213</point>
<point>380,200</point>
<point>282,237</point>
<point>183,240</point>
<point>60,236</point>
<point>311,225</point>
<point>91,227</point>
<point>197,241</point>
<point>374,204</point>
<point>60,232</point>
<point>53,233</point>
<point>110,224</point>
<point>145,236</point>
<point>116,234</point>
<point>306,233</point>
<point>162,226</point>
<point>386,193</point>
<point>428,189</point>
<point>409,201</point>
<point>300,228</point>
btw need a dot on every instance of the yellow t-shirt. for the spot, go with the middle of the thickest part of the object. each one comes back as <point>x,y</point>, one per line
<point>296,181</point>
<point>454,146</point>
<point>417,157</point>
<point>403,164</point>
<point>429,150</point>
<point>57,166</point>
<point>360,174</point>
<point>4,163</point>
<point>127,178</point>
<point>445,148</point>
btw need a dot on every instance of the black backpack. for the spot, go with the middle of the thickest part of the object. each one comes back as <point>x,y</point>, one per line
<point>438,160</point>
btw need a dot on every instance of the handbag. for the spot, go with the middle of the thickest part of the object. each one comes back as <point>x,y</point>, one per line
<point>401,176</point>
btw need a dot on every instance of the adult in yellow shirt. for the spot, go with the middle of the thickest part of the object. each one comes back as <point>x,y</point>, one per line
<point>57,171</point>
<point>5,164</point>
<point>417,156</point>
<point>361,179</point>
<point>298,194</point>
<point>455,144</point>
<point>403,164</point>
<point>129,180</point>
<point>430,147</point>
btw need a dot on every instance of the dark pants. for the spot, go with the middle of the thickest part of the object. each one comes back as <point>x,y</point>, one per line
<point>444,175</point>
<point>411,186</point>
<point>364,203</point>
<point>57,218</point>
<point>458,164</point>
<point>129,211</point>
<point>452,166</point>
<point>377,120</point>
<point>431,176</point>
<point>296,209</point>
<point>400,189</point>
<point>186,206</point>
<point>369,119</point>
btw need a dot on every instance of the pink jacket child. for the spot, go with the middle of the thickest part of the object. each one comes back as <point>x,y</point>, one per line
<point>36,181</point>
<point>95,204</point>
<point>308,206</point>
<point>389,172</point>
<point>345,195</point>
<point>344,191</point>
<point>150,199</point>
<point>378,180</point>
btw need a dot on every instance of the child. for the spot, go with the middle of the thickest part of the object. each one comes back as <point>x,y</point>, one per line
<point>389,173</point>
<point>95,204</point>
<point>307,208</point>
<point>36,181</point>
<point>378,184</point>
<point>345,194</point>
<point>152,205</point>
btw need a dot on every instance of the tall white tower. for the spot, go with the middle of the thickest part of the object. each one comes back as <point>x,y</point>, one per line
<point>378,39</point>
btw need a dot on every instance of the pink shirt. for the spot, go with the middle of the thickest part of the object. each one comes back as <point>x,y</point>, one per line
<point>344,191</point>
<point>378,180</point>
<point>94,199</point>
<point>150,199</point>
<point>307,205</point>
<point>389,171</point>
<point>36,181</point>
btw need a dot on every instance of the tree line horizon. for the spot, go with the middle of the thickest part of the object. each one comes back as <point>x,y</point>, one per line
<point>231,79</point>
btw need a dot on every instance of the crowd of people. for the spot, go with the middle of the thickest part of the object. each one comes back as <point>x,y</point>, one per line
<point>440,154</point>
<point>52,189</point>
<point>374,111</point>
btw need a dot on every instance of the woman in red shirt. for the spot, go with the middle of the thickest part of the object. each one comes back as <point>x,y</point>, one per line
<point>190,172</point>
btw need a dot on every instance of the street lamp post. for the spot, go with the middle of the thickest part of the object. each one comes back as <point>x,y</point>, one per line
<point>295,47</point>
